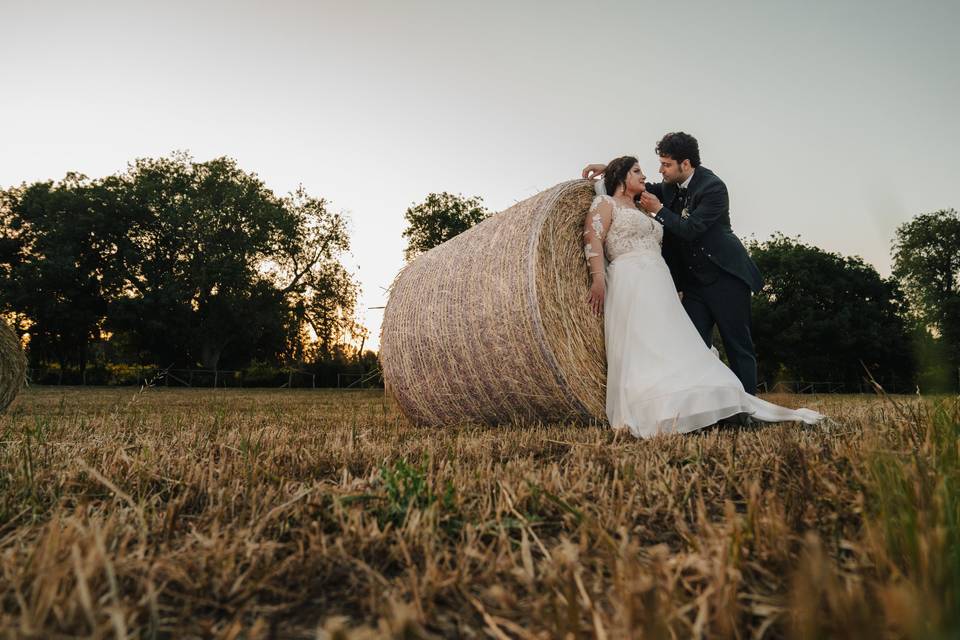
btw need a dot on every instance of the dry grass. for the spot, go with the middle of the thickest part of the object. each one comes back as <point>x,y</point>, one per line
<point>244,514</point>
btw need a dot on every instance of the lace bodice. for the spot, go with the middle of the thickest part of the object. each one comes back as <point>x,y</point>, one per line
<point>630,230</point>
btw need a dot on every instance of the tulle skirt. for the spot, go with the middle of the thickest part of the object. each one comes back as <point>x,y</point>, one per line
<point>661,377</point>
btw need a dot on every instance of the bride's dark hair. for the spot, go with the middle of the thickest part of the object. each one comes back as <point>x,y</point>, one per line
<point>616,172</point>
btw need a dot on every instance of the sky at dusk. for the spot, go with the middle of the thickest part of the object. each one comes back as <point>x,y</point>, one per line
<point>834,121</point>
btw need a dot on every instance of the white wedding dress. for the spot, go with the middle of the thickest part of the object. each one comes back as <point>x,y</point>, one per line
<point>661,377</point>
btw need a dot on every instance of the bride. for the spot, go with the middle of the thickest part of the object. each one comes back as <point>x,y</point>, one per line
<point>661,376</point>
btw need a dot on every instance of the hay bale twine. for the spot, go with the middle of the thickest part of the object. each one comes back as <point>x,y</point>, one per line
<point>13,366</point>
<point>493,325</point>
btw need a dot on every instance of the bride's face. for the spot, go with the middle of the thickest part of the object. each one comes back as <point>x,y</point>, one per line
<point>636,181</point>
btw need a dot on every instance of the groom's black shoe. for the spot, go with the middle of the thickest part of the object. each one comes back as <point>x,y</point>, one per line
<point>738,420</point>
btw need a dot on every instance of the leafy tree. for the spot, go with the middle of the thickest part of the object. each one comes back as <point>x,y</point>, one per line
<point>322,292</point>
<point>820,314</point>
<point>175,262</point>
<point>437,219</point>
<point>926,259</point>
<point>935,372</point>
<point>55,275</point>
<point>217,267</point>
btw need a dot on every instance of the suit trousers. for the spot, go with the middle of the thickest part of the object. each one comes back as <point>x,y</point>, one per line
<point>726,304</point>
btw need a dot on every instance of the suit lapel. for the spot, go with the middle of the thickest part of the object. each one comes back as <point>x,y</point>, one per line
<point>698,176</point>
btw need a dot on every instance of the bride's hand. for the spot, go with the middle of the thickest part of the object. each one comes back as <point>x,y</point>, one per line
<point>598,291</point>
<point>593,170</point>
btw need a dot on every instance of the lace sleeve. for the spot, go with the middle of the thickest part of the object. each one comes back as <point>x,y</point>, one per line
<point>595,228</point>
<point>601,212</point>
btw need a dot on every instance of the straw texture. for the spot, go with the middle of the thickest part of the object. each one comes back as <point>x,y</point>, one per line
<point>13,366</point>
<point>493,326</point>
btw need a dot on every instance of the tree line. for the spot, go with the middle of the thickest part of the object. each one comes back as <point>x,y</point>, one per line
<point>185,264</point>
<point>821,317</point>
<point>175,263</point>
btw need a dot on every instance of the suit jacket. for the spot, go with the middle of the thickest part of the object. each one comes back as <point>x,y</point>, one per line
<point>698,245</point>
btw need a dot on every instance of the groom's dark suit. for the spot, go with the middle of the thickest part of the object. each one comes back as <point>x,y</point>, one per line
<point>710,265</point>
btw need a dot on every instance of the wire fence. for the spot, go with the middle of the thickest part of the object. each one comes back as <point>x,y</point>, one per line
<point>801,386</point>
<point>360,380</point>
<point>287,378</point>
<point>891,385</point>
<point>290,378</point>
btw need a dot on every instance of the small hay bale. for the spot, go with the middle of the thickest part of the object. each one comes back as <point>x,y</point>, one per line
<point>13,366</point>
<point>493,325</point>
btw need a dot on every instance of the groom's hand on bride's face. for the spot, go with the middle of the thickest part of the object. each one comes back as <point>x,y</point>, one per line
<point>650,203</point>
<point>592,171</point>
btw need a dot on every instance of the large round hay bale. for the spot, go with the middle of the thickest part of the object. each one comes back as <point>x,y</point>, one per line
<point>13,366</point>
<point>493,325</point>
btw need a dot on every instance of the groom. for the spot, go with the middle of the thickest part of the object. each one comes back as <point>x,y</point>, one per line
<point>707,261</point>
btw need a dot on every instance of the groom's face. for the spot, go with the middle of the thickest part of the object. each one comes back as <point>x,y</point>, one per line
<point>673,171</point>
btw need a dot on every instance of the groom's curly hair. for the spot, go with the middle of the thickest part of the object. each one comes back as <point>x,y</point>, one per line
<point>616,172</point>
<point>680,146</point>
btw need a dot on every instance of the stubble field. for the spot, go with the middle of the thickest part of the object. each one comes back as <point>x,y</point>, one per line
<point>306,514</point>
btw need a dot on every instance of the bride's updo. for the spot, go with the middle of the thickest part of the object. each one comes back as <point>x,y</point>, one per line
<point>616,172</point>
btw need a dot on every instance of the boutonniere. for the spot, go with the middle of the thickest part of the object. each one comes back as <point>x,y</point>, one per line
<point>685,213</point>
